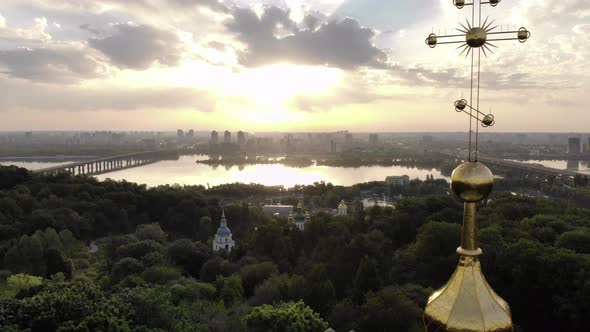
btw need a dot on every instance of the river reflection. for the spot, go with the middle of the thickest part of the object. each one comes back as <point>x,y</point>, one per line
<point>33,165</point>
<point>185,171</point>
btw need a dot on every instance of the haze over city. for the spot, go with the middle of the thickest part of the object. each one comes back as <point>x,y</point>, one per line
<point>282,65</point>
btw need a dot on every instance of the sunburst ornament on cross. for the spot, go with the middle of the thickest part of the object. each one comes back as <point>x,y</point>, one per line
<point>467,303</point>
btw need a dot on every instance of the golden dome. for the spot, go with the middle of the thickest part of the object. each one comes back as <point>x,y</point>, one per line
<point>472,181</point>
<point>467,303</point>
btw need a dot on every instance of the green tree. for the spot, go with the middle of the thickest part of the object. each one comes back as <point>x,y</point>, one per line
<point>18,282</point>
<point>345,316</point>
<point>150,232</point>
<point>366,279</point>
<point>578,240</point>
<point>125,267</point>
<point>319,290</point>
<point>161,274</point>
<point>230,289</point>
<point>434,251</point>
<point>189,255</point>
<point>292,317</point>
<point>56,262</point>
<point>254,274</point>
<point>279,288</point>
<point>389,310</point>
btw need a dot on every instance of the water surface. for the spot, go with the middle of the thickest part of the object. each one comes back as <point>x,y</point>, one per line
<point>185,171</point>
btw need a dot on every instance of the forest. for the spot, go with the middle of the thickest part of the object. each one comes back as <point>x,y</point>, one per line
<point>77,254</point>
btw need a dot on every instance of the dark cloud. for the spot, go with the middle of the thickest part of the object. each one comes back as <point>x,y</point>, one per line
<point>90,28</point>
<point>66,64</point>
<point>139,46</point>
<point>344,43</point>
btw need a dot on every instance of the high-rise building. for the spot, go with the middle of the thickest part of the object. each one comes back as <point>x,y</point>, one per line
<point>588,145</point>
<point>180,134</point>
<point>333,147</point>
<point>374,139</point>
<point>574,145</point>
<point>227,137</point>
<point>190,134</point>
<point>214,137</point>
<point>348,139</point>
<point>241,137</point>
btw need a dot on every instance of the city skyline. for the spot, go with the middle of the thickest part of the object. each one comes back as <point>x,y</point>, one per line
<point>280,66</point>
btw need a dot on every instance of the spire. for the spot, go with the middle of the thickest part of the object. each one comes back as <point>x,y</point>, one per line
<point>223,221</point>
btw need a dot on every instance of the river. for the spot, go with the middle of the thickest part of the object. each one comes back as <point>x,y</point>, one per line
<point>185,171</point>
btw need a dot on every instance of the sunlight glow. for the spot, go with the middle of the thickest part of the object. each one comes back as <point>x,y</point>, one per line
<point>275,84</point>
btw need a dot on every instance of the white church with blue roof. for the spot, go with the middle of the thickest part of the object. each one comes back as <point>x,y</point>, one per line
<point>223,238</point>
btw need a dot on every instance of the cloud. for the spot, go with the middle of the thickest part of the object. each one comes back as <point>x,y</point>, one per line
<point>90,28</point>
<point>35,34</point>
<point>274,37</point>
<point>63,64</point>
<point>139,46</point>
<point>160,4</point>
<point>72,98</point>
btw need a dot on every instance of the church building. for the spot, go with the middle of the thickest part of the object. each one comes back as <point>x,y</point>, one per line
<point>299,218</point>
<point>223,238</point>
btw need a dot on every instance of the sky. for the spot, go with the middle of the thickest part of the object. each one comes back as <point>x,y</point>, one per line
<point>278,65</point>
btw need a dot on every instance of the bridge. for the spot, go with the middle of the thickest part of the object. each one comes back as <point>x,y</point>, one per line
<point>112,163</point>
<point>530,167</point>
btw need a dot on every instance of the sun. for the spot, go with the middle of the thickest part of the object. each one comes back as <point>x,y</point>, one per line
<point>274,85</point>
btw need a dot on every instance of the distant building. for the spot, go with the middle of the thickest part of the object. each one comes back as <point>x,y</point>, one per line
<point>241,137</point>
<point>282,211</point>
<point>427,139</point>
<point>214,137</point>
<point>299,218</point>
<point>227,137</point>
<point>348,139</point>
<point>342,209</point>
<point>180,134</point>
<point>373,139</point>
<point>190,134</point>
<point>574,145</point>
<point>588,145</point>
<point>400,181</point>
<point>333,148</point>
<point>223,237</point>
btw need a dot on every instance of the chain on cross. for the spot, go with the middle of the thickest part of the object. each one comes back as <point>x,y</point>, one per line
<point>476,36</point>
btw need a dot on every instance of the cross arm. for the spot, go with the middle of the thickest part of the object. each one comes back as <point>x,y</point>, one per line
<point>486,120</point>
